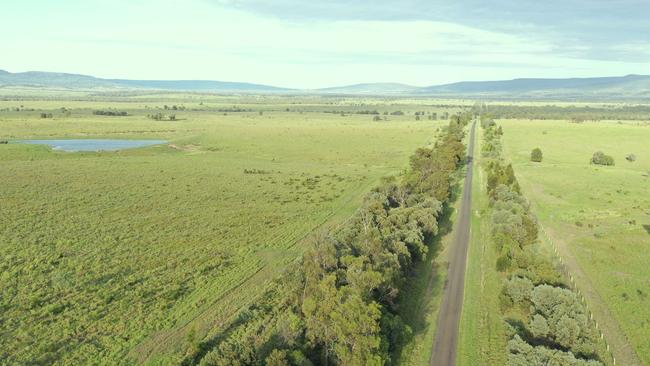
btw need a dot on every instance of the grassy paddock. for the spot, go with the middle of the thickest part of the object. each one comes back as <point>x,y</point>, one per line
<point>599,215</point>
<point>114,252</point>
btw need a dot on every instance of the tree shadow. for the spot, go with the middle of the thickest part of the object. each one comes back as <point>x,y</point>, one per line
<point>647,228</point>
<point>208,345</point>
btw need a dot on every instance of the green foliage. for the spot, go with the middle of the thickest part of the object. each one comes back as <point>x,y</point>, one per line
<point>567,322</point>
<point>599,158</point>
<point>536,155</point>
<point>521,353</point>
<point>519,289</point>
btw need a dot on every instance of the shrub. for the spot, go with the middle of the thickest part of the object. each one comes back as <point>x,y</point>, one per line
<point>503,263</point>
<point>519,289</point>
<point>600,158</point>
<point>536,155</point>
<point>631,158</point>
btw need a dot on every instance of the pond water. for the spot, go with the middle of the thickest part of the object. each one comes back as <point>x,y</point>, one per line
<point>72,145</point>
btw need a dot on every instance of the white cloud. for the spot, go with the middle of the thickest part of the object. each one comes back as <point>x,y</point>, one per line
<point>174,39</point>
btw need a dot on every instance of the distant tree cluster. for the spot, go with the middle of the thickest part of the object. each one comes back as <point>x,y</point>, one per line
<point>174,107</point>
<point>599,158</point>
<point>375,112</point>
<point>575,114</point>
<point>46,115</point>
<point>339,305</point>
<point>234,109</point>
<point>556,329</point>
<point>256,171</point>
<point>162,117</point>
<point>110,113</point>
<point>20,108</point>
<point>491,147</point>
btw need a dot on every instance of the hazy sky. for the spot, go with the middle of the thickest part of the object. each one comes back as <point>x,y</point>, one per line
<point>304,43</point>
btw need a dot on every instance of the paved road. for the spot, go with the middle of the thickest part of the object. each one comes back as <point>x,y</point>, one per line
<point>444,347</point>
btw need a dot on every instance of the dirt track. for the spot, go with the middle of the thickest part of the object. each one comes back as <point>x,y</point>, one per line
<point>446,341</point>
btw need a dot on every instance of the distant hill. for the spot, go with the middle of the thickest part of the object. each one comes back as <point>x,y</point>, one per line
<point>371,88</point>
<point>51,79</point>
<point>74,81</point>
<point>630,86</point>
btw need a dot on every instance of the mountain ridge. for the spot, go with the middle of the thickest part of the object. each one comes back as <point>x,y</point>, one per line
<point>632,85</point>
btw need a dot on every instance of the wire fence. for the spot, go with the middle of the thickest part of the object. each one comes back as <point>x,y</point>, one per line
<point>574,286</point>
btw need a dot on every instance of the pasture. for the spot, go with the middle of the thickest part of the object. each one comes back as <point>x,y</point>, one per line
<point>119,257</point>
<point>598,216</point>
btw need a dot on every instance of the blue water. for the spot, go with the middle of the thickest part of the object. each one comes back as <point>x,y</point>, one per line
<point>73,145</point>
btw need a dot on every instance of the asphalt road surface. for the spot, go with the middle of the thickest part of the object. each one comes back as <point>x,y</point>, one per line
<point>446,342</point>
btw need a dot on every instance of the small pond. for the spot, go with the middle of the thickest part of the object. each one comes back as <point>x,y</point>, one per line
<point>72,145</point>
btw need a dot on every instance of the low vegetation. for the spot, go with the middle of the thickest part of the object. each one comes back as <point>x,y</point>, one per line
<point>166,244</point>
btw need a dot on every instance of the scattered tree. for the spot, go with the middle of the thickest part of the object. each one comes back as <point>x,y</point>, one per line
<point>536,155</point>
<point>599,158</point>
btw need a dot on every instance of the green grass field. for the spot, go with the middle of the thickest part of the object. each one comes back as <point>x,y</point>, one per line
<point>598,216</point>
<point>109,254</point>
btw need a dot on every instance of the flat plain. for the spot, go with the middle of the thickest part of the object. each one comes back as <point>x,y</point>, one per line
<point>159,243</point>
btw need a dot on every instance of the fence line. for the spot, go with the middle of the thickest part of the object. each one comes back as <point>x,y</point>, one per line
<point>575,288</point>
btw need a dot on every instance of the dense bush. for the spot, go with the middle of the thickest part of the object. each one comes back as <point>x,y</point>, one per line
<point>599,158</point>
<point>565,319</point>
<point>110,113</point>
<point>536,155</point>
<point>520,353</point>
<point>162,117</point>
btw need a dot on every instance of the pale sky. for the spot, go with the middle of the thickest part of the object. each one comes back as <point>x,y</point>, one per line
<point>309,44</point>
